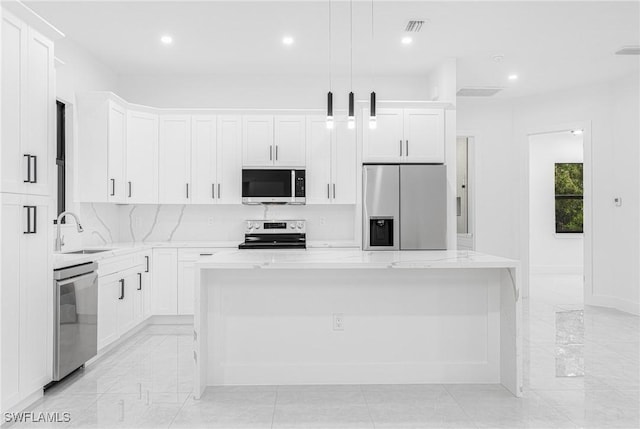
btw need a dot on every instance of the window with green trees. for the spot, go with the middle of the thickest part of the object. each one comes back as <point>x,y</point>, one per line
<point>569,197</point>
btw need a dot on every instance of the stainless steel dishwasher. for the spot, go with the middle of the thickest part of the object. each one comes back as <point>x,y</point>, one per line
<point>75,311</point>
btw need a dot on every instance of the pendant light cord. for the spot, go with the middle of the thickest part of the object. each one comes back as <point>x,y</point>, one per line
<point>351,41</point>
<point>329,45</point>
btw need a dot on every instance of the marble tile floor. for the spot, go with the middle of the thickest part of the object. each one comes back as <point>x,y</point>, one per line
<point>581,371</point>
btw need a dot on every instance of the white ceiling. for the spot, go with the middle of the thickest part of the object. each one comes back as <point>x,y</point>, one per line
<point>550,45</point>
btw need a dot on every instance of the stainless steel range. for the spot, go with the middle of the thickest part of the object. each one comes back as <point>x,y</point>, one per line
<point>275,234</point>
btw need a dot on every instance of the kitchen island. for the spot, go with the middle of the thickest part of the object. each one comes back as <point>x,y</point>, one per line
<point>338,316</point>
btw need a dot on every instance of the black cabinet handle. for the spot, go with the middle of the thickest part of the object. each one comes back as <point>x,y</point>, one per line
<point>121,289</point>
<point>276,152</point>
<point>35,169</point>
<point>147,269</point>
<point>218,191</point>
<point>187,191</point>
<point>334,191</point>
<point>206,254</point>
<point>400,147</point>
<point>129,189</point>
<point>28,180</point>
<point>213,191</point>
<point>28,231</point>
<point>270,153</point>
<point>139,281</point>
<point>407,151</point>
<point>113,187</point>
<point>328,191</point>
<point>35,219</point>
<point>31,219</point>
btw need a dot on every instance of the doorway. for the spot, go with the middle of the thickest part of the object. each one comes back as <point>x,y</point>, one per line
<point>556,217</point>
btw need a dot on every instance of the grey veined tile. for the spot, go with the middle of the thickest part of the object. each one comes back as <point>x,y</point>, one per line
<point>130,411</point>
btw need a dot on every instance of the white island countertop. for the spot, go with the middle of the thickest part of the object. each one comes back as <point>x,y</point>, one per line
<point>352,258</point>
<point>463,306</point>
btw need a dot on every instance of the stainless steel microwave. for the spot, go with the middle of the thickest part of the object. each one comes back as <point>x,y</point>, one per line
<point>273,186</point>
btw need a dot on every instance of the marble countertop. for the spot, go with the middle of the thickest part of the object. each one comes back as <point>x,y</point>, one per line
<point>120,249</point>
<point>351,258</point>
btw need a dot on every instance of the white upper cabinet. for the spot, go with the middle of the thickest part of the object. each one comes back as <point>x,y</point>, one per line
<point>175,159</point>
<point>289,150</point>
<point>405,135</point>
<point>331,162</point>
<point>142,158</point>
<point>386,142</point>
<point>228,189</point>
<point>424,135</point>
<point>116,146</point>
<point>203,159</point>
<point>257,141</point>
<point>318,177</point>
<point>28,109</point>
<point>102,136</point>
<point>343,164</point>
<point>273,141</point>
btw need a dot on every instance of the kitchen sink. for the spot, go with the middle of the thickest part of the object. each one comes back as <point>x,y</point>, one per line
<point>87,251</point>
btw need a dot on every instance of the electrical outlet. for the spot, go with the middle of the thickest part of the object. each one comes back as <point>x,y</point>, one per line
<point>323,220</point>
<point>338,322</point>
<point>210,221</point>
<point>618,201</point>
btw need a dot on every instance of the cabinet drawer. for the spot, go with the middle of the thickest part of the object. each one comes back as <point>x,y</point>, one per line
<point>120,263</point>
<point>194,254</point>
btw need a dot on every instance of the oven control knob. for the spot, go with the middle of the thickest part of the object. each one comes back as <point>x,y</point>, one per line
<point>292,226</point>
<point>249,225</point>
<point>256,225</point>
<point>299,225</point>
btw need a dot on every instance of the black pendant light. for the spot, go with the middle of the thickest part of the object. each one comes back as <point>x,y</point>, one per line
<point>372,111</point>
<point>330,110</point>
<point>373,124</point>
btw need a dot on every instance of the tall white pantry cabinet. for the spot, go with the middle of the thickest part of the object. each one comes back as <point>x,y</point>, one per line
<point>26,189</point>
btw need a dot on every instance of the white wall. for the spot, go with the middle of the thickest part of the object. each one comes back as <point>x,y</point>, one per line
<point>611,112</point>
<point>551,252</point>
<point>81,73</point>
<point>268,91</point>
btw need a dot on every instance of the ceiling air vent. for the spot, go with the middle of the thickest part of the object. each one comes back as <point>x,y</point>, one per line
<point>629,50</point>
<point>478,91</point>
<point>414,26</point>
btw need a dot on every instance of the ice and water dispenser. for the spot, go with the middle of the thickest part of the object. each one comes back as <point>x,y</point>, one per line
<point>381,231</point>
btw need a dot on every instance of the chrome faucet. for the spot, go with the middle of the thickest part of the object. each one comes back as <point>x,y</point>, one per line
<point>59,240</point>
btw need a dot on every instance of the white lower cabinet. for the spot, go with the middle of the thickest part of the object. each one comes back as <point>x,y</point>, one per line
<point>165,282</point>
<point>121,296</point>
<point>147,283</point>
<point>186,277</point>
<point>27,279</point>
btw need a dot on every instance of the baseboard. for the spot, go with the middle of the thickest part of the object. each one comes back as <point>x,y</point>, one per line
<point>615,303</point>
<point>171,320</point>
<point>556,269</point>
<point>21,406</point>
<point>151,320</point>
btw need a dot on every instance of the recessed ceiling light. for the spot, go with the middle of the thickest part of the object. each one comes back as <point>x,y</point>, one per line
<point>577,132</point>
<point>513,77</point>
<point>167,40</point>
<point>406,40</point>
<point>287,40</point>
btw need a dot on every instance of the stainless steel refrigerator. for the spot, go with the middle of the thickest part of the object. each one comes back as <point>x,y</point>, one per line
<point>405,207</point>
